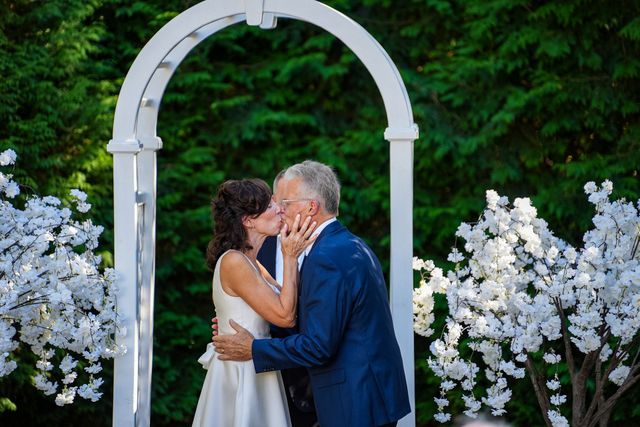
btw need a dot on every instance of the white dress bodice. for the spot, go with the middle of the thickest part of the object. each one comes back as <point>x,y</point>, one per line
<point>233,395</point>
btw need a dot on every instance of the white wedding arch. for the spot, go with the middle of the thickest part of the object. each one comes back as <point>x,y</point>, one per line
<point>135,143</point>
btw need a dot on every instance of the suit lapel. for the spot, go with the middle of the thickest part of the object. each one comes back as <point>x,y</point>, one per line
<point>332,228</point>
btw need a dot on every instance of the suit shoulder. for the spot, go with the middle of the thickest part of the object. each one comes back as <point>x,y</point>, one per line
<point>345,239</point>
<point>345,248</point>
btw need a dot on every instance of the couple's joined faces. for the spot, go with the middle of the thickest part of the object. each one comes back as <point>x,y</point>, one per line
<point>269,221</point>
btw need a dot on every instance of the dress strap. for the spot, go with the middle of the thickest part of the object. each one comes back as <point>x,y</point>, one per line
<point>273,288</point>
<point>252,264</point>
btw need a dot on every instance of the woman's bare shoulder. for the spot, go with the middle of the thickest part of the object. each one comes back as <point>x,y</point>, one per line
<point>234,260</point>
<point>232,254</point>
<point>235,272</point>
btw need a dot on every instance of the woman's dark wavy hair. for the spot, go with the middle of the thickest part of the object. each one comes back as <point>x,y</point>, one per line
<point>235,200</point>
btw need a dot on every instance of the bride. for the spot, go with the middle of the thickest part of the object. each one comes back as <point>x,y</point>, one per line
<point>244,214</point>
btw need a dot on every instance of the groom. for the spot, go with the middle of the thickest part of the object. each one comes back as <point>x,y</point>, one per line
<point>346,337</point>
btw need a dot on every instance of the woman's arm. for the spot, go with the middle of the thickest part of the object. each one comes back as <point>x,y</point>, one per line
<point>268,277</point>
<point>240,278</point>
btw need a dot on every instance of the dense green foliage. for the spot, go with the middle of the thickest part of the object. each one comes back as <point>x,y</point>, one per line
<point>54,113</point>
<point>529,98</point>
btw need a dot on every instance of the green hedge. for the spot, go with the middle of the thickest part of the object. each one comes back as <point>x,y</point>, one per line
<point>529,98</point>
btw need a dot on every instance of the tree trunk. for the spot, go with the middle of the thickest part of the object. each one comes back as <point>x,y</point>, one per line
<point>539,387</point>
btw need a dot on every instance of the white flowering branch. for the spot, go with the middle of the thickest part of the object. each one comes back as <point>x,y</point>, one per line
<point>520,291</point>
<point>54,299</point>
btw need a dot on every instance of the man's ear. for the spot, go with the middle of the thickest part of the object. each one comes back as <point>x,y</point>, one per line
<point>314,207</point>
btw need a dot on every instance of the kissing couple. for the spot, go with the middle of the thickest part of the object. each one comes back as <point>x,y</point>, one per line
<point>329,308</point>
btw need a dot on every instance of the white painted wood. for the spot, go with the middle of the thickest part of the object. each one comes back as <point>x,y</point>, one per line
<point>125,387</point>
<point>146,164</point>
<point>253,11</point>
<point>148,117</point>
<point>364,46</point>
<point>155,51</point>
<point>401,274</point>
<point>269,21</point>
<point>127,146</point>
<point>134,128</point>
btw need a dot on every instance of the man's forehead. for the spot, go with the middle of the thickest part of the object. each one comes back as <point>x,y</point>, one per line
<point>280,186</point>
<point>295,188</point>
<point>291,184</point>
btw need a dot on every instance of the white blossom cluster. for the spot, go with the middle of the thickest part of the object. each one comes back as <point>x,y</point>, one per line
<point>54,300</point>
<point>516,287</point>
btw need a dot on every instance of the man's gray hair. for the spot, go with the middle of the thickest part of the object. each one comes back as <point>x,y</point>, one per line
<point>278,178</point>
<point>318,181</point>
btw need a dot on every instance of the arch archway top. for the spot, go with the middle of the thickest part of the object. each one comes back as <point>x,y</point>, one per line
<point>139,82</point>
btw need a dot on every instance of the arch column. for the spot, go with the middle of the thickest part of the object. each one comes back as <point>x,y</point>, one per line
<point>401,268</point>
<point>135,143</point>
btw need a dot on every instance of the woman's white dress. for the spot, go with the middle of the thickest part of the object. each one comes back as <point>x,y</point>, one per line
<point>233,395</point>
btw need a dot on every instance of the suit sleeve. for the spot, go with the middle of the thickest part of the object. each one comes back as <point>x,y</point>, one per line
<point>278,332</point>
<point>327,307</point>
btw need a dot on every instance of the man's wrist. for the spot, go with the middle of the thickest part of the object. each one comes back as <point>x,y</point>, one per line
<point>250,348</point>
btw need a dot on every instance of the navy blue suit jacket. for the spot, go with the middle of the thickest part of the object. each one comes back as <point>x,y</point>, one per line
<point>267,254</point>
<point>346,336</point>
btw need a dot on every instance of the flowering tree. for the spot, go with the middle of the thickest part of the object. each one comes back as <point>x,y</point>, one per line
<point>521,301</point>
<point>54,300</point>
